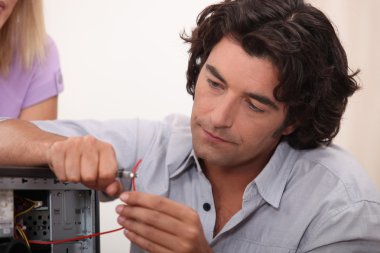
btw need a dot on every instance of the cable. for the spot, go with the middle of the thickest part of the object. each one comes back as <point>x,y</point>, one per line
<point>23,235</point>
<point>18,227</point>
<point>34,205</point>
<point>134,173</point>
<point>74,238</point>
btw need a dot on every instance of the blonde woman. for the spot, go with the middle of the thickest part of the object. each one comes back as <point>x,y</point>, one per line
<point>30,75</point>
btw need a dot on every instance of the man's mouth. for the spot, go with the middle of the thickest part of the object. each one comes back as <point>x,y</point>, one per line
<point>2,5</point>
<point>214,137</point>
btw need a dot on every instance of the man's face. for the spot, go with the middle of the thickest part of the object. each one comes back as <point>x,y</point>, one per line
<point>235,115</point>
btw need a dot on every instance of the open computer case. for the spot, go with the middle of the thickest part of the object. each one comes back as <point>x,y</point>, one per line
<point>39,214</point>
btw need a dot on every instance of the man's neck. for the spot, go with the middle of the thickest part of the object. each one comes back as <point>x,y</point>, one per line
<point>228,186</point>
<point>234,179</point>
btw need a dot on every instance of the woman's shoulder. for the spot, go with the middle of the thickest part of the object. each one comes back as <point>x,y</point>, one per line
<point>50,46</point>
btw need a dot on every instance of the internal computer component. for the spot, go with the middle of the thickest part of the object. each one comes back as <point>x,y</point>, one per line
<point>39,214</point>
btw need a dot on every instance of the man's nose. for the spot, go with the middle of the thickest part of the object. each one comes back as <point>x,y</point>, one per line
<point>224,112</point>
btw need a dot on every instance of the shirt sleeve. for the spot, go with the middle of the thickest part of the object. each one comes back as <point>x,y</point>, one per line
<point>355,228</point>
<point>46,81</point>
<point>132,139</point>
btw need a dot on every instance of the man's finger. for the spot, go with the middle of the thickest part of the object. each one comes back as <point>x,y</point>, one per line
<point>72,166</point>
<point>107,170</point>
<point>158,203</point>
<point>114,189</point>
<point>145,243</point>
<point>153,218</point>
<point>56,158</point>
<point>89,167</point>
<point>150,233</point>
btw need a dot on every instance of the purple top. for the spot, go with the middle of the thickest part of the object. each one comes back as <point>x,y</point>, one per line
<point>23,88</point>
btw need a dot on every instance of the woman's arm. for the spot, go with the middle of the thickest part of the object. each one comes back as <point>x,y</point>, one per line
<point>45,110</point>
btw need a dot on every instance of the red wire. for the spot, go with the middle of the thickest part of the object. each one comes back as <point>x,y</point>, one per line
<point>75,238</point>
<point>91,235</point>
<point>134,173</point>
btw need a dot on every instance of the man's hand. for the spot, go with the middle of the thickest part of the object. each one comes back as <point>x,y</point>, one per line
<point>85,160</point>
<point>157,224</point>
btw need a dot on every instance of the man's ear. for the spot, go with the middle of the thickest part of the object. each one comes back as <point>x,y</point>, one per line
<point>289,129</point>
<point>286,128</point>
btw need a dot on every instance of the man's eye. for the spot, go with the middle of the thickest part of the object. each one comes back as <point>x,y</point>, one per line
<point>254,107</point>
<point>213,84</point>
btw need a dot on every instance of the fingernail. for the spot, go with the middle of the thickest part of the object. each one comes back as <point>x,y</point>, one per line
<point>124,196</point>
<point>121,220</point>
<point>119,209</point>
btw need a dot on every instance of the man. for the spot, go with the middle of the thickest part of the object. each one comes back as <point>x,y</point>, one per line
<point>254,169</point>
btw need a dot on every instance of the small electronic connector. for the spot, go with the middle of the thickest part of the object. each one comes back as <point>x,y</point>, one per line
<point>129,176</point>
<point>126,174</point>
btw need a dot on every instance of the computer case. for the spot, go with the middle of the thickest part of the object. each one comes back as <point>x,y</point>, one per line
<point>37,209</point>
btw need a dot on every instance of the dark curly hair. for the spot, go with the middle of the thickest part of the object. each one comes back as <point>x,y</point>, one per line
<point>314,78</point>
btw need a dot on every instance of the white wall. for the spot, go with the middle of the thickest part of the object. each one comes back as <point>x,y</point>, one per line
<point>123,58</point>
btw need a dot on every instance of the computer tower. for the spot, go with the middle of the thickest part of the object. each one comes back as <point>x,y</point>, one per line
<point>39,214</point>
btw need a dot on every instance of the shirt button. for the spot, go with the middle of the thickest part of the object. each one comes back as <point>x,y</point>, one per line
<point>206,207</point>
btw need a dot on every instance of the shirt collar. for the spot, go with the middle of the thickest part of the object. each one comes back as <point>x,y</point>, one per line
<point>272,180</point>
<point>190,162</point>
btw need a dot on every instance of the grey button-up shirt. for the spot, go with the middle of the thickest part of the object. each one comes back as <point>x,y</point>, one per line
<point>318,200</point>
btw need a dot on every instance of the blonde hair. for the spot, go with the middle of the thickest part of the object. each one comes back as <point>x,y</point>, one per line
<point>24,33</point>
